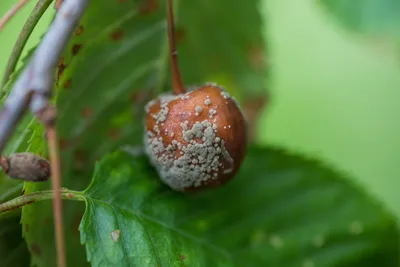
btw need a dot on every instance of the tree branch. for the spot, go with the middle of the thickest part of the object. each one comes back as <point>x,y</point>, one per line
<point>34,89</point>
<point>34,86</point>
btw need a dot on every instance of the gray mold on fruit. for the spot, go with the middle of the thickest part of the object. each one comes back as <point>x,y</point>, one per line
<point>199,157</point>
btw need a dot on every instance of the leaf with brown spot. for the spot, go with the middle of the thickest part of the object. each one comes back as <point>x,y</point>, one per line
<point>61,67</point>
<point>280,210</point>
<point>179,35</point>
<point>35,249</point>
<point>148,6</point>
<point>86,112</point>
<point>19,141</point>
<point>105,73</point>
<point>76,48</point>
<point>67,84</point>
<point>79,30</point>
<point>114,134</point>
<point>117,35</point>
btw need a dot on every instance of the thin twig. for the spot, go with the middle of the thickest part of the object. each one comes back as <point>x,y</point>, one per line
<point>57,203</point>
<point>23,37</point>
<point>11,13</point>
<point>34,197</point>
<point>177,82</point>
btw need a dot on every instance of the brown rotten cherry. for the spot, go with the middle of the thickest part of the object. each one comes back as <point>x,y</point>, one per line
<point>195,139</point>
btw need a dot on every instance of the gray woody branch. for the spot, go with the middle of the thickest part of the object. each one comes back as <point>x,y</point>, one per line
<point>34,87</point>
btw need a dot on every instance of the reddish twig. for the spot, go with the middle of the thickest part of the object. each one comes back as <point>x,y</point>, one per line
<point>11,13</point>
<point>57,202</point>
<point>177,82</point>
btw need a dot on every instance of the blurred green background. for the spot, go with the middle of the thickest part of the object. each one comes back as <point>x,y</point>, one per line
<point>333,94</point>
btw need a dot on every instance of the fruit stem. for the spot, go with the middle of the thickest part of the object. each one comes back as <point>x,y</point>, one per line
<point>177,82</point>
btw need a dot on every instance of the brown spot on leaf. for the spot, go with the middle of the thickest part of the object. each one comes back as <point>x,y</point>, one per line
<point>60,67</point>
<point>179,35</point>
<point>183,257</point>
<point>67,84</point>
<point>148,6</point>
<point>117,35</point>
<point>26,228</point>
<point>35,249</point>
<point>113,134</point>
<point>70,195</point>
<point>79,30</point>
<point>76,48</point>
<point>86,112</point>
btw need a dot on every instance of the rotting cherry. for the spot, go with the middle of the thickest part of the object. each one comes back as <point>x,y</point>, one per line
<point>26,166</point>
<point>197,138</point>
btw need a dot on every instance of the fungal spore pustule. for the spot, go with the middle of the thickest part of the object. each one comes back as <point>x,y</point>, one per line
<point>188,139</point>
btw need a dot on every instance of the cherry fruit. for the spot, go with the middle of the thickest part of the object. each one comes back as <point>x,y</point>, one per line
<point>196,138</point>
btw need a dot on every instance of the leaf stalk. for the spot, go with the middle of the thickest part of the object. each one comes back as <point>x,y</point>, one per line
<point>31,198</point>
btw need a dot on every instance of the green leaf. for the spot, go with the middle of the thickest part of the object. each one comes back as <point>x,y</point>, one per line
<point>280,210</point>
<point>13,250</point>
<point>114,63</point>
<point>28,136</point>
<point>377,18</point>
<point>102,66</point>
<point>227,47</point>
